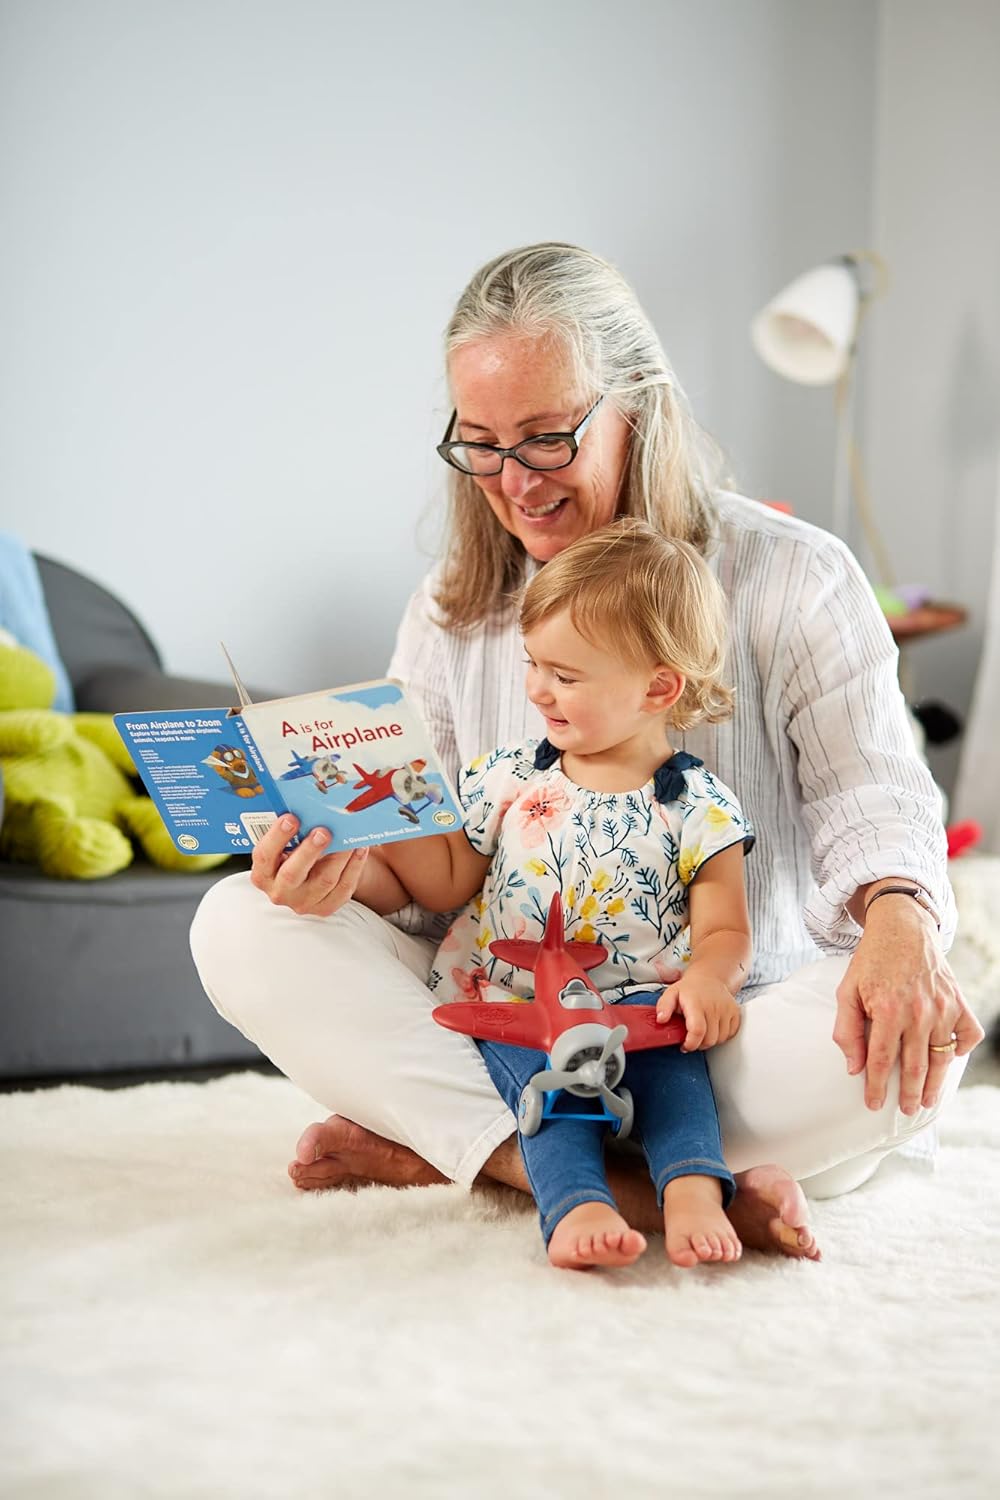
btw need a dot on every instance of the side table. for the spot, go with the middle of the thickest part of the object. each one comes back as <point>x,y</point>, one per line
<point>917,624</point>
<point>929,619</point>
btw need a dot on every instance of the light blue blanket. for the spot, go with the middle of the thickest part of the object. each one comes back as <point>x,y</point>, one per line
<point>23,612</point>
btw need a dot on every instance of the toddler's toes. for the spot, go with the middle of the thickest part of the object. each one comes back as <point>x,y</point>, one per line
<point>683,1251</point>
<point>593,1234</point>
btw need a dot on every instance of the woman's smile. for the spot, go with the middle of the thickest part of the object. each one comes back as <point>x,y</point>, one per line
<point>541,512</point>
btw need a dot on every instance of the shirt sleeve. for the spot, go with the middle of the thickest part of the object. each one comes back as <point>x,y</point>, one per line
<point>418,662</point>
<point>486,789</point>
<point>712,820</point>
<point>869,803</point>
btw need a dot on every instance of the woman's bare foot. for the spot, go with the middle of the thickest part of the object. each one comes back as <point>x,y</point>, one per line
<point>593,1234</point>
<point>695,1223</point>
<point>336,1153</point>
<point>770,1213</point>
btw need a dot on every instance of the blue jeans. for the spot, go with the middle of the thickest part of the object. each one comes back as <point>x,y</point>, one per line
<point>676,1124</point>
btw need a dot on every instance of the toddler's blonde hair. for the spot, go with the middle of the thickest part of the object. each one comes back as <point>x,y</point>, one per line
<point>648,600</point>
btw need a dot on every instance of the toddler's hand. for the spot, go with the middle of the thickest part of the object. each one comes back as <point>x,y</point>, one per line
<point>709,1010</point>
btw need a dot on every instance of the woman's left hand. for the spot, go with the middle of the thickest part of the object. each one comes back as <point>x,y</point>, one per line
<point>897,1000</point>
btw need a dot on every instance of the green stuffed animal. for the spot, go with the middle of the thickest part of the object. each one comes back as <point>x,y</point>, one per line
<point>67,800</point>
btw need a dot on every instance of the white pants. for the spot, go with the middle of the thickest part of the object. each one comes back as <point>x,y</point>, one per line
<point>340,1004</point>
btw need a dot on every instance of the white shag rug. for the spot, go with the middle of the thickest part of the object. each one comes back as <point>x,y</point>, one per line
<point>177,1321</point>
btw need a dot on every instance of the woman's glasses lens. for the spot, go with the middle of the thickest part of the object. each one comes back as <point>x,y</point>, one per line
<point>540,453</point>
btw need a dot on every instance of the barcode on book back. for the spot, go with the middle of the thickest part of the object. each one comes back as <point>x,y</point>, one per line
<point>257,824</point>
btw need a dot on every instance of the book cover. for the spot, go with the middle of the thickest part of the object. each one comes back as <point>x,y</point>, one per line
<point>356,760</point>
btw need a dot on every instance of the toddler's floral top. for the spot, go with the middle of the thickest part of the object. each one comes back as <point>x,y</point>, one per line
<point>622,862</point>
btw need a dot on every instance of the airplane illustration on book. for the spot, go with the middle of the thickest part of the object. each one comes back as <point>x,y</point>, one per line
<point>404,783</point>
<point>584,1038</point>
<point>301,765</point>
<point>322,768</point>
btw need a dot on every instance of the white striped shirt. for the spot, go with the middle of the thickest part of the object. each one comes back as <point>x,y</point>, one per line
<point>818,751</point>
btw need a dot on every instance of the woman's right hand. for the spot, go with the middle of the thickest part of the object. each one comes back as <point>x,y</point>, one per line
<point>305,879</point>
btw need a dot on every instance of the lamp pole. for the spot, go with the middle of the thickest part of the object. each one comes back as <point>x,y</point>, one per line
<point>843,398</point>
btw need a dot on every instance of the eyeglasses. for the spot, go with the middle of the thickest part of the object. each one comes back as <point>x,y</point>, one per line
<point>546,450</point>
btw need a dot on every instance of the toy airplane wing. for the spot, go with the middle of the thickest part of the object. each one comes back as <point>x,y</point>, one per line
<point>524,1025</point>
<point>521,952</point>
<point>645,1031</point>
<point>298,766</point>
<point>377,785</point>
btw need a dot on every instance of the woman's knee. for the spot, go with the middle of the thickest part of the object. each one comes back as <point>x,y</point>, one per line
<point>225,924</point>
<point>264,965</point>
<point>222,920</point>
<point>250,953</point>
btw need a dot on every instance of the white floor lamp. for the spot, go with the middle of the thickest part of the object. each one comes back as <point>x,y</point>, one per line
<point>809,333</point>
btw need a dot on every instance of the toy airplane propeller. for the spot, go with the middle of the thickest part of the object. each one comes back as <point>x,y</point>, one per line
<point>583,1037</point>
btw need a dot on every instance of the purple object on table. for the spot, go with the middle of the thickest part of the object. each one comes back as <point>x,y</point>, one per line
<point>913,595</point>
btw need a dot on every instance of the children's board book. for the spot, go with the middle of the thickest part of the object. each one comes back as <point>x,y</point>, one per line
<point>356,760</point>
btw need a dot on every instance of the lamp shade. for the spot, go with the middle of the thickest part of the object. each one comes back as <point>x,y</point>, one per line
<point>806,333</point>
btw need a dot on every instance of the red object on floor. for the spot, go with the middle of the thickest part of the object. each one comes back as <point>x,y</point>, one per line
<point>963,836</point>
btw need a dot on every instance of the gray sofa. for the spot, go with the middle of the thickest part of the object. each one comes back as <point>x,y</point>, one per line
<point>96,976</point>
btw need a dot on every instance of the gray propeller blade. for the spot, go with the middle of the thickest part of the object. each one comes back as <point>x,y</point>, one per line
<point>549,1080</point>
<point>615,1039</point>
<point>617,1106</point>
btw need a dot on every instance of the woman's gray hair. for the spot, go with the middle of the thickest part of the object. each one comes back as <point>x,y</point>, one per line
<point>560,292</point>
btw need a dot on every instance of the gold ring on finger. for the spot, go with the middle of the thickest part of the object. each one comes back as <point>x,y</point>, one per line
<point>945,1047</point>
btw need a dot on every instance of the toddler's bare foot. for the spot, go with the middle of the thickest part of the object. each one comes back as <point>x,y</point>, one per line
<point>593,1234</point>
<point>695,1222</point>
<point>336,1153</point>
<point>770,1213</point>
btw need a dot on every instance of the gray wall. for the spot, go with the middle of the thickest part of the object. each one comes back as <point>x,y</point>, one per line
<point>933,355</point>
<point>231,233</point>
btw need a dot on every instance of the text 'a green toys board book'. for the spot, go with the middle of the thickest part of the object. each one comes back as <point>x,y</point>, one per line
<point>356,760</point>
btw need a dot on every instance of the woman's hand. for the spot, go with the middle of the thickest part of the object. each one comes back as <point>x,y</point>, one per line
<point>897,1000</point>
<point>305,879</point>
<point>710,1012</point>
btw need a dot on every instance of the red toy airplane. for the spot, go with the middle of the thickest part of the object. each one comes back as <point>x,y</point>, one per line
<point>584,1038</point>
<point>404,783</point>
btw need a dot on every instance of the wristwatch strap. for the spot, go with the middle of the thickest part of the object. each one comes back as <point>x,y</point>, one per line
<point>917,892</point>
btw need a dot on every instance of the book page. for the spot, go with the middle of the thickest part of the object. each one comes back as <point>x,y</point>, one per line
<point>357,760</point>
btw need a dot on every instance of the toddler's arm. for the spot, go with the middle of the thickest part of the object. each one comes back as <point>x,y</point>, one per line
<point>440,871</point>
<point>377,887</point>
<point>720,953</point>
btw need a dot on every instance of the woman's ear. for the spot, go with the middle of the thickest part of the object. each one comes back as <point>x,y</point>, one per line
<point>664,689</point>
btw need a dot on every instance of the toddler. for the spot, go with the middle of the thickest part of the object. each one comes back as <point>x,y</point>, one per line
<point>624,633</point>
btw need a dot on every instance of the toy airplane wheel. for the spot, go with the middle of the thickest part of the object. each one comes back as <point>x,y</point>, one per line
<point>623,1127</point>
<point>529,1110</point>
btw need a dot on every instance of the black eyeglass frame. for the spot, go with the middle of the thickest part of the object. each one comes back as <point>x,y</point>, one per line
<point>571,439</point>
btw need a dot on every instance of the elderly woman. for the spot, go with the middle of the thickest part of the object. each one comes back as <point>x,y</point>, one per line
<point>854,1031</point>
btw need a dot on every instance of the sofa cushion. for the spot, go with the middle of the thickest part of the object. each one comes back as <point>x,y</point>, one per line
<point>117,690</point>
<point>98,977</point>
<point>90,625</point>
